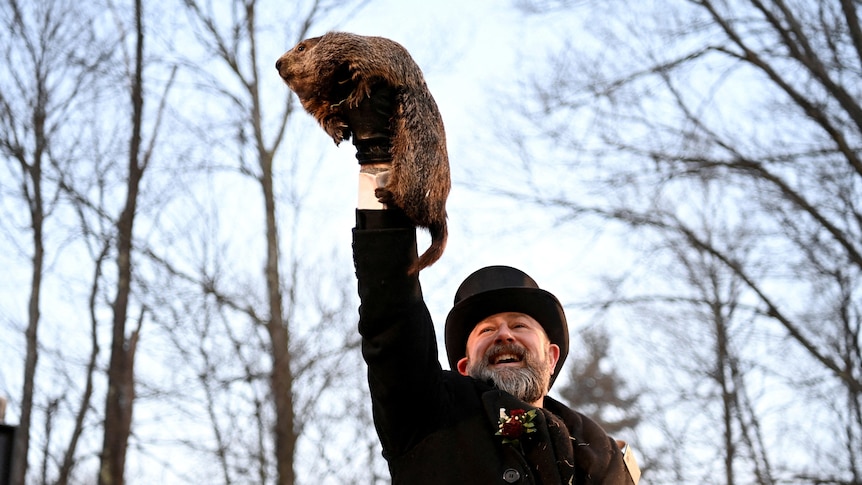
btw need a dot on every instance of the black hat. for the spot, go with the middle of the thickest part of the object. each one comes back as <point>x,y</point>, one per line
<point>499,289</point>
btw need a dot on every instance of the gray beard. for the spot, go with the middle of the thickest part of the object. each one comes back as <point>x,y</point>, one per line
<point>529,383</point>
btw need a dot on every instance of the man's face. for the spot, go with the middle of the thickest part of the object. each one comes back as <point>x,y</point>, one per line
<point>513,350</point>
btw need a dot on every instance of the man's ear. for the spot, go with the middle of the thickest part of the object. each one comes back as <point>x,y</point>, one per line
<point>554,354</point>
<point>462,365</point>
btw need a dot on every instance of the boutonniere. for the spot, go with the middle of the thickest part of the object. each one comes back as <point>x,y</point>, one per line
<point>516,424</point>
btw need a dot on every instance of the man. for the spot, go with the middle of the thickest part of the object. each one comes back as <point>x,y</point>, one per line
<point>488,420</point>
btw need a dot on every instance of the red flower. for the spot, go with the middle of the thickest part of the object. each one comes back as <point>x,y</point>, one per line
<point>515,424</point>
<point>512,429</point>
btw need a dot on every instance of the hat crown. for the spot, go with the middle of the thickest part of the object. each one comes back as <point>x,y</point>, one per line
<point>493,278</point>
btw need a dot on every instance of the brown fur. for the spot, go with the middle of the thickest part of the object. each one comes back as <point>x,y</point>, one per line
<point>335,73</point>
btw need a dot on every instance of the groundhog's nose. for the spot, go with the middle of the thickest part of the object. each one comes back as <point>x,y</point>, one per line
<point>278,64</point>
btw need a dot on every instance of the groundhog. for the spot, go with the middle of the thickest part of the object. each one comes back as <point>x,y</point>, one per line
<point>371,88</point>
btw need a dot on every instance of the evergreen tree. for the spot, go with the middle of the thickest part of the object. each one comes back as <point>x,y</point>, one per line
<point>598,390</point>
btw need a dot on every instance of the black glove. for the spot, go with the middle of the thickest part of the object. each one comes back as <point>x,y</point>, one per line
<point>369,124</point>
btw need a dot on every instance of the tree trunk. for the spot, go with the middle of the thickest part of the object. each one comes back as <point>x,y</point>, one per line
<point>121,388</point>
<point>282,376</point>
<point>22,435</point>
<point>32,173</point>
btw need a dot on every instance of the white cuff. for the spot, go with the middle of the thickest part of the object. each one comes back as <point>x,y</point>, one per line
<point>371,176</point>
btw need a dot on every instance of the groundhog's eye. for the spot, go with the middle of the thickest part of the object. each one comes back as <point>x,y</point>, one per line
<point>300,48</point>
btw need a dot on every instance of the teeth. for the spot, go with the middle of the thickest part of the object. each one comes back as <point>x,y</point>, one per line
<point>506,357</point>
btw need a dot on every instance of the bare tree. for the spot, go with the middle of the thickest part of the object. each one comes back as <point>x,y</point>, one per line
<point>121,381</point>
<point>120,397</point>
<point>47,78</point>
<point>242,30</point>
<point>717,302</point>
<point>256,133</point>
<point>756,103</point>
<point>68,462</point>
<point>247,354</point>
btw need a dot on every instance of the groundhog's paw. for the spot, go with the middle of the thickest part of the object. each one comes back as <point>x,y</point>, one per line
<point>384,195</point>
<point>361,92</point>
<point>337,129</point>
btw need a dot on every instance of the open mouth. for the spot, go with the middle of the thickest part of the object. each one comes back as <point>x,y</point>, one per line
<point>506,357</point>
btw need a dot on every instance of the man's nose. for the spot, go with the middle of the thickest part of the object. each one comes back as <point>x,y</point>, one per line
<point>504,334</point>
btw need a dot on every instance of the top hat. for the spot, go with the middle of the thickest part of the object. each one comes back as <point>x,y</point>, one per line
<point>499,289</point>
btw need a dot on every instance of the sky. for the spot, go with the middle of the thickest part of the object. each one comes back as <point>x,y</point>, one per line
<point>475,54</point>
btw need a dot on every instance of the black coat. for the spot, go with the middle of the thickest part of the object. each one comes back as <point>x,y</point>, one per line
<point>436,426</point>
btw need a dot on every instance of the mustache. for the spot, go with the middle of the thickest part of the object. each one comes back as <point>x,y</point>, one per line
<point>505,349</point>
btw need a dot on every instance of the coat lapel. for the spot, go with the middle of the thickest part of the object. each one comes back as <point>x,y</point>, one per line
<point>548,450</point>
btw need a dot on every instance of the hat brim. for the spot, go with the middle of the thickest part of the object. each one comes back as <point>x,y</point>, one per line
<point>537,303</point>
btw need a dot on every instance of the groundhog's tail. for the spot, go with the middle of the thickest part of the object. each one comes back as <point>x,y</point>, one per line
<point>439,233</point>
